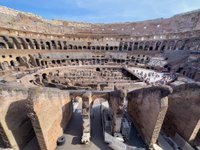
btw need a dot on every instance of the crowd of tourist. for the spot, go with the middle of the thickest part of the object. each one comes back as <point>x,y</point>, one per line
<point>153,77</point>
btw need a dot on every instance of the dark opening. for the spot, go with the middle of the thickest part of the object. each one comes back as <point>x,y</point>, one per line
<point>98,69</point>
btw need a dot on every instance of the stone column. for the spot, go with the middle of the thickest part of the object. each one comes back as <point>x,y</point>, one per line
<point>86,100</point>
<point>116,103</point>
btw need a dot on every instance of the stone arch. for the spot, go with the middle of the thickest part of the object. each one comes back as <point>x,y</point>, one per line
<point>163,46</point>
<point>42,44</point>
<point>70,46</point>
<point>37,62</point>
<point>171,45</point>
<point>125,46</point>
<point>84,47</point>
<point>157,45</point>
<point>75,47</point>
<point>2,45</point>
<point>130,47</point>
<point>152,45</point>
<point>37,46</point>
<point>135,47</point>
<point>9,43</point>
<point>141,45</point>
<point>17,43</point>
<point>64,45</point>
<point>195,44</point>
<point>59,45</point>
<point>102,47</point>
<point>30,44</point>
<point>5,65</point>
<point>24,44</point>
<point>116,48</point>
<point>146,45</point>
<point>80,47</point>
<point>178,45</point>
<point>54,46</point>
<point>12,63</point>
<point>186,45</point>
<point>98,47</point>
<point>21,61</point>
<point>120,46</point>
<point>53,62</point>
<point>48,45</point>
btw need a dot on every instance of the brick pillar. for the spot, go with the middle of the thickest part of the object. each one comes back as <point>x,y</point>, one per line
<point>86,100</point>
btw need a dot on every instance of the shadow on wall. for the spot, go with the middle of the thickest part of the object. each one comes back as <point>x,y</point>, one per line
<point>19,123</point>
<point>67,111</point>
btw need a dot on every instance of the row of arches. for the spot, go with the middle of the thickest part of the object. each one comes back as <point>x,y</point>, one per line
<point>184,44</point>
<point>31,61</point>
<point>28,43</point>
<point>133,60</point>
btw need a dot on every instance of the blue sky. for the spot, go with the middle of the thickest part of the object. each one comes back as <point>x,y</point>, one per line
<point>103,11</point>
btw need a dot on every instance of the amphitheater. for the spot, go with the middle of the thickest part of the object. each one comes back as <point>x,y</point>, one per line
<point>151,67</point>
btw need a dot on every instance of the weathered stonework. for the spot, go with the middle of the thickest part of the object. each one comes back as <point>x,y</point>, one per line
<point>147,108</point>
<point>16,129</point>
<point>50,111</point>
<point>183,115</point>
<point>45,64</point>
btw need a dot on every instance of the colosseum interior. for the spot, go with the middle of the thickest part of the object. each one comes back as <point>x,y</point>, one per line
<point>148,71</point>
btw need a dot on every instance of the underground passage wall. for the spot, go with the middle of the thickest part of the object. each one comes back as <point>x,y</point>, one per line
<point>50,111</point>
<point>147,108</point>
<point>183,115</point>
<point>15,127</point>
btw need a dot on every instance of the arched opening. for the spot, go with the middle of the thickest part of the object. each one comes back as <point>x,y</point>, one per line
<point>58,62</point>
<point>75,47</point>
<point>48,45</point>
<point>42,45</point>
<point>79,47</point>
<point>70,46</point>
<point>12,63</point>
<point>163,48</point>
<point>2,45</point>
<point>102,47</point>
<point>115,48</point>
<point>65,45</point>
<point>42,63</point>
<point>36,44</point>
<point>24,44</point>
<point>19,59</point>
<point>59,45</point>
<point>53,45</point>
<point>140,47</point>
<point>157,45</point>
<point>30,43</point>
<point>125,46</point>
<point>98,69</point>
<point>37,62</point>
<point>5,65</point>
<point>135,46</point>
<point>53,62</point>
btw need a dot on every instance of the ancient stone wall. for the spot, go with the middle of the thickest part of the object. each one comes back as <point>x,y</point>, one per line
<point>16,129</point>
<point>147,108</point>
<point>183,115</point>
<point>50,111</point>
